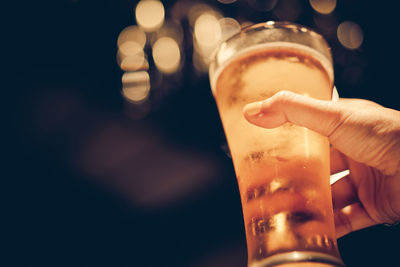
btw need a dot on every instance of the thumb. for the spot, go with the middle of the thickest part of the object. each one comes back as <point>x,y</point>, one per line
<point>360,129</point>
<point>285,106</point>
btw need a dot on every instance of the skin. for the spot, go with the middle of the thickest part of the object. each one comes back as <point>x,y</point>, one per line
<point>365,139</point>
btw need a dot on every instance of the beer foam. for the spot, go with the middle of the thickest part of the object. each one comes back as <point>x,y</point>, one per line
<point>325,63</point>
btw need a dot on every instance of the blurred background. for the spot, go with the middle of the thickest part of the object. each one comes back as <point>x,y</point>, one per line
<point>114,151</point>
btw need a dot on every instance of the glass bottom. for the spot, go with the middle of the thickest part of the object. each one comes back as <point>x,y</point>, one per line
<point>300,258</point>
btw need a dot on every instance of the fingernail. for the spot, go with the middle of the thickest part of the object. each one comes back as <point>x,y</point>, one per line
<point>253,108</point>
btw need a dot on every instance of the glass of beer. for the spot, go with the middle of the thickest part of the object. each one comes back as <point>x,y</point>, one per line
<point>282,173</point>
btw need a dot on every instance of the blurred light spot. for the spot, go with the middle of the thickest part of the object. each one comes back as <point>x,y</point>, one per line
<point>323,6</point>
<point>166,54</point>
<point>150,14</point>
<point>133,34</point>
<point>131,57</point>
<point>262,5</point>
<point>207,32</point>
<point>226,1</point>
<point>210,33</point>
<point>130,48</point>
<point>200,9</point>
<point>229,27</point>
<point>350,35</point>
<point>136,86</point>
<point>131,42</point>
<point>288,10</point>
<point>169,29</point>
<point>134,63</point>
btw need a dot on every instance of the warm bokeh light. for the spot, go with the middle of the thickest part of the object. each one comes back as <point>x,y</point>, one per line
<point>136,86</point>
<point>133,34</point>
<point>229,27</point>
<point>128,53</point>
<point>210,32</point>
<point>197,10</point>
<point>171,29</point>
<point>350,35</point>
<point>131,42</point>
<point>134,63</point>
<point>150,14</point>
<point>207,32</point>
<point>323,6</point>
<point>129,48</point>
<point>166,55</point>
<point>288,10</point>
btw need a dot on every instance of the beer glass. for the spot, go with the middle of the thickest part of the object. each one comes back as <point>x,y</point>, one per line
<point>282,173</point>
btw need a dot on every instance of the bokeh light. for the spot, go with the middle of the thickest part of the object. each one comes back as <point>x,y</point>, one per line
<point>229,27</point>
<point>350,35</point>
<point>131,42</point>
<point>130,52</point>
<point>323,6</point>
<point>150,14</point>
<point>134,34</point>
<point>130,48</point>
<point>207,32</point>
<point>171,29</point>
<point>200,9</point>
<point>211,31</point>
<point>134,63</point>
<point>166,55</point>
<point>136,86</point>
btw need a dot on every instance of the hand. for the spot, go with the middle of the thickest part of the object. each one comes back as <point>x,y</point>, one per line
<point>365,139</point>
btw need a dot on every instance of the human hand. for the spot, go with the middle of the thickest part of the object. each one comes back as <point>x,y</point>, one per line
<point>365,139</point>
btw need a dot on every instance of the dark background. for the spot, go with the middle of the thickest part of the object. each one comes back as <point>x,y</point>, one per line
<point>85,184</point>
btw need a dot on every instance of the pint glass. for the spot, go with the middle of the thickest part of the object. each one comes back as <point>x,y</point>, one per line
<point>282,173</point>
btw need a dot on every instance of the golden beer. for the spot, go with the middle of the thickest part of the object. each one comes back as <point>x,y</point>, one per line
<point>283,173</point>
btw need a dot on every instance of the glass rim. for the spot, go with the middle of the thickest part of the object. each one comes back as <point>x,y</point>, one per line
<point>216,62</point>
<point>272,24</point>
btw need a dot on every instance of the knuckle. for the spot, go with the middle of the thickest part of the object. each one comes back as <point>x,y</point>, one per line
<point>284,96</point>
